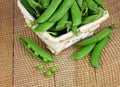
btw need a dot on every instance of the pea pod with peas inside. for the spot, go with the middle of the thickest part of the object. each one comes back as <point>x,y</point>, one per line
<point>36,50</point>
<point>97,37</point>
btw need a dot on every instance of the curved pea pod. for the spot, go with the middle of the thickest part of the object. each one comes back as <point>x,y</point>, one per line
<point>101,4</point>
<point>91,5</point>
<point>95,58</point>
<point>45,3</point>
<point>27,6</point>
<point>91,18</point>
<point>61,11</point>
<point>35,6</point>
<point>49,11</point>
<point>83,51</point>
<point>76,16</point>
<point>36,50</point>
<point>62,22</point>
<point>43,27</point>
<point>97,37</point>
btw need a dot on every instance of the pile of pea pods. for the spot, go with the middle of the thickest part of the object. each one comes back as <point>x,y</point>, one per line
<point>58,17</point>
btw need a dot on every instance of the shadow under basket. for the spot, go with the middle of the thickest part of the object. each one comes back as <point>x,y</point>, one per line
<point>57,44</point>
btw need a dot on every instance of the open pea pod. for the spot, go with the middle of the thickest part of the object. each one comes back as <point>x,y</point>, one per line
<point>36,50</point>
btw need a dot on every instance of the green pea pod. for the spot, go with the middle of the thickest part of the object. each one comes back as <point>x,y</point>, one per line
<point>83,51</point>
<point>35,6</point>
<point>49,11</point>
<point>76,16</point>
<point>101,4</point>
<point>45,3</point>
<point>61,11</point>
<point>95,58</point>
<point>91,18</point>
<point>27,6</point>
<point>36,50</point>
<point>43,27</point>
<point>62,22</point>
<point>80,3</point>
<point>97,37</point>
<point>91,5</point>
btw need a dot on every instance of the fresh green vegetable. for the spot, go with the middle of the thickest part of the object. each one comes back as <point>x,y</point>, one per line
<point>36,50</point>
<point>27,6</point>
<point>91,18</point>
<point>83,51</point>
<point>80,3</point>
<point>99,36</point>
<point>35,6</point>
<point>95,58</point>
<point>61,11</point>
<point>48,73</point>
<point>76,16</point>
<point>45,3</point>
<point>101,4</point>
<point>62,22</point>
<point>43,27</point>
<point>49,11</point>
<point>91,5</point>
<point>40,67</point>
<point>53,69</point>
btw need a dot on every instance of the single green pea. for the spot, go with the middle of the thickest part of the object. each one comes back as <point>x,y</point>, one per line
<point>29,46</point>
<point>48,73</point>
<point>36,54</point>
<point>40,67</point>
<point>53,69</point>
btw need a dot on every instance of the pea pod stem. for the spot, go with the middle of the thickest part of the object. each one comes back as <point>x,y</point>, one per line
<point>97,37</point>
<point>61,11</point>
<point>36,50</point>
<point>49,11</point>
<point>83,51</point>
<point>95,58</point>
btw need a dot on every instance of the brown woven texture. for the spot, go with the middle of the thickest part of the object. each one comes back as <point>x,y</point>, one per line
<point>18,66</point>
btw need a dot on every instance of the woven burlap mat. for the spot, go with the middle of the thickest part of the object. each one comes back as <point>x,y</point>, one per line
<point>18,66</point>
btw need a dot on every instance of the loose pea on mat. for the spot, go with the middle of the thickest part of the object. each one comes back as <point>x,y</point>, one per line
<point>91,5</point>
<point>35,5</point>
<point>83,51</point>
<point>36,50</point>
<point>76,16</point>
<point>28,7</point>
<point>43,27</point>
<point>97,37</point>
<point>48,73</point>
<point>45,3</point>
<point>62,22</point>
<point>61,11</point>
<point>40,67</point>
<point>95,58</point>
<point>101,4</point>
<point>91,18</point>
<point>49,11</point>
<point>53,69</point>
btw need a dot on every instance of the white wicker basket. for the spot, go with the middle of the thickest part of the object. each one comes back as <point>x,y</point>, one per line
<point>57,44</point>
